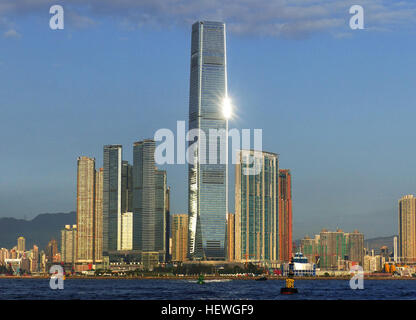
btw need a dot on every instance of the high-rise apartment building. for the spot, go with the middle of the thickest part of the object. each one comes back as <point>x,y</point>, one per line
<point>395,249</point>
<point>85,209</point>
<point>112,168</point>
<point>407,229</point>
<point>69,244</point>
<point>98,216</point>
<point>230,236</point>
<point>179,237</point>
<point>51,250</point>
<point>89,232</point>
<point>256,207</point>
<point>332,248</point>
<point>34,259</point>
<point>126,235</point>
<point>285,215</point>
<point>355,247</point>
<point>208,179</point>
<point>21,244</point>
<point>310,248</point>
<point>160,213</point>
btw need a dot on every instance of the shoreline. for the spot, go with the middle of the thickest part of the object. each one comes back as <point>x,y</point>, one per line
<point>273,278</point>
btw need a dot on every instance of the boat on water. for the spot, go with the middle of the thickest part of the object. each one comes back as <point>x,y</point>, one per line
<point>264,278</point>
<point>299,266</point>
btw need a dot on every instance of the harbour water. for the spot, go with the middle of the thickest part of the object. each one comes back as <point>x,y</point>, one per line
<point>124,289</point>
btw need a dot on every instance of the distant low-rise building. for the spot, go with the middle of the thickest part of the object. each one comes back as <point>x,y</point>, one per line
<point>374,263</point>
<point>334,250</point>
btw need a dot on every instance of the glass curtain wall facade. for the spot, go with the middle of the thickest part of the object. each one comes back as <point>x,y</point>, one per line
<point>144,196</point>
<point>256,205</point>
<point>207,182</point>
<point>111,197</point>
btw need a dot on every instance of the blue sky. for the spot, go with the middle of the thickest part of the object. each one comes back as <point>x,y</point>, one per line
<point>336,104</point>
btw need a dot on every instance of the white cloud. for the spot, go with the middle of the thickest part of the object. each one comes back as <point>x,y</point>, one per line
<point>280,18</point>
<point>11,33</point>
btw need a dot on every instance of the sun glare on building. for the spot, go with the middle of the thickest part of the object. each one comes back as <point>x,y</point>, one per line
<point>227,108</point>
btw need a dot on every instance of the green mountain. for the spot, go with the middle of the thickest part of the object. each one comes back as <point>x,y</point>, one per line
<point>40,230</point>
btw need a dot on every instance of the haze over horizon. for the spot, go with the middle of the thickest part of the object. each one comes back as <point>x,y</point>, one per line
<point>335,104</point>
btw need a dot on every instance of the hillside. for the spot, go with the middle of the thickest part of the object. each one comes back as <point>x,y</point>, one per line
<point>40,230</point>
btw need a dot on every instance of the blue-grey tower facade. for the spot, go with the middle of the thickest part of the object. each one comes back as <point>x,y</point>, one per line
<point>112,166</point>
<point>207,181</point>
<point>149,204</point>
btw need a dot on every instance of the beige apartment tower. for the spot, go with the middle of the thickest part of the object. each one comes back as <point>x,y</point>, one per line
<point>230,236</point>
<point>21,244</point>
<point>98,216</point>
<point>69,244</point>
<point>179,234</point>
<point>85,209</point>
<point>89,233</point>
<point>407,229</point>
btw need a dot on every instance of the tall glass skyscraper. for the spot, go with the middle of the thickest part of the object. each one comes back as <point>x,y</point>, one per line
<point>149,204</point>
<point>144,192</point>
<point>208,182</point>
<point>111,197</point>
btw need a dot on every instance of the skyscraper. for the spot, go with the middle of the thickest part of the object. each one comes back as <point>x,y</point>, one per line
<point>144,191</point>
<point>111,197</point>
<point>256,207</point>
<point>126,231</point>
<point>310,248</point>
<point>85,209</point>
<point>168,225</point>
<point>208,182</point>
<point>179,237</point>
<point>21,244</point>
<point>126,186</point>
<point>230,236</point>
<point>51,250</point>
<point>285,215</point>
<point>332,248</point>
<point>69,244</point>
<point>98,216</point>
<point>160,213</point>
<point>355,247</point>
<point>395,249</point>
<point>407,229</point>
